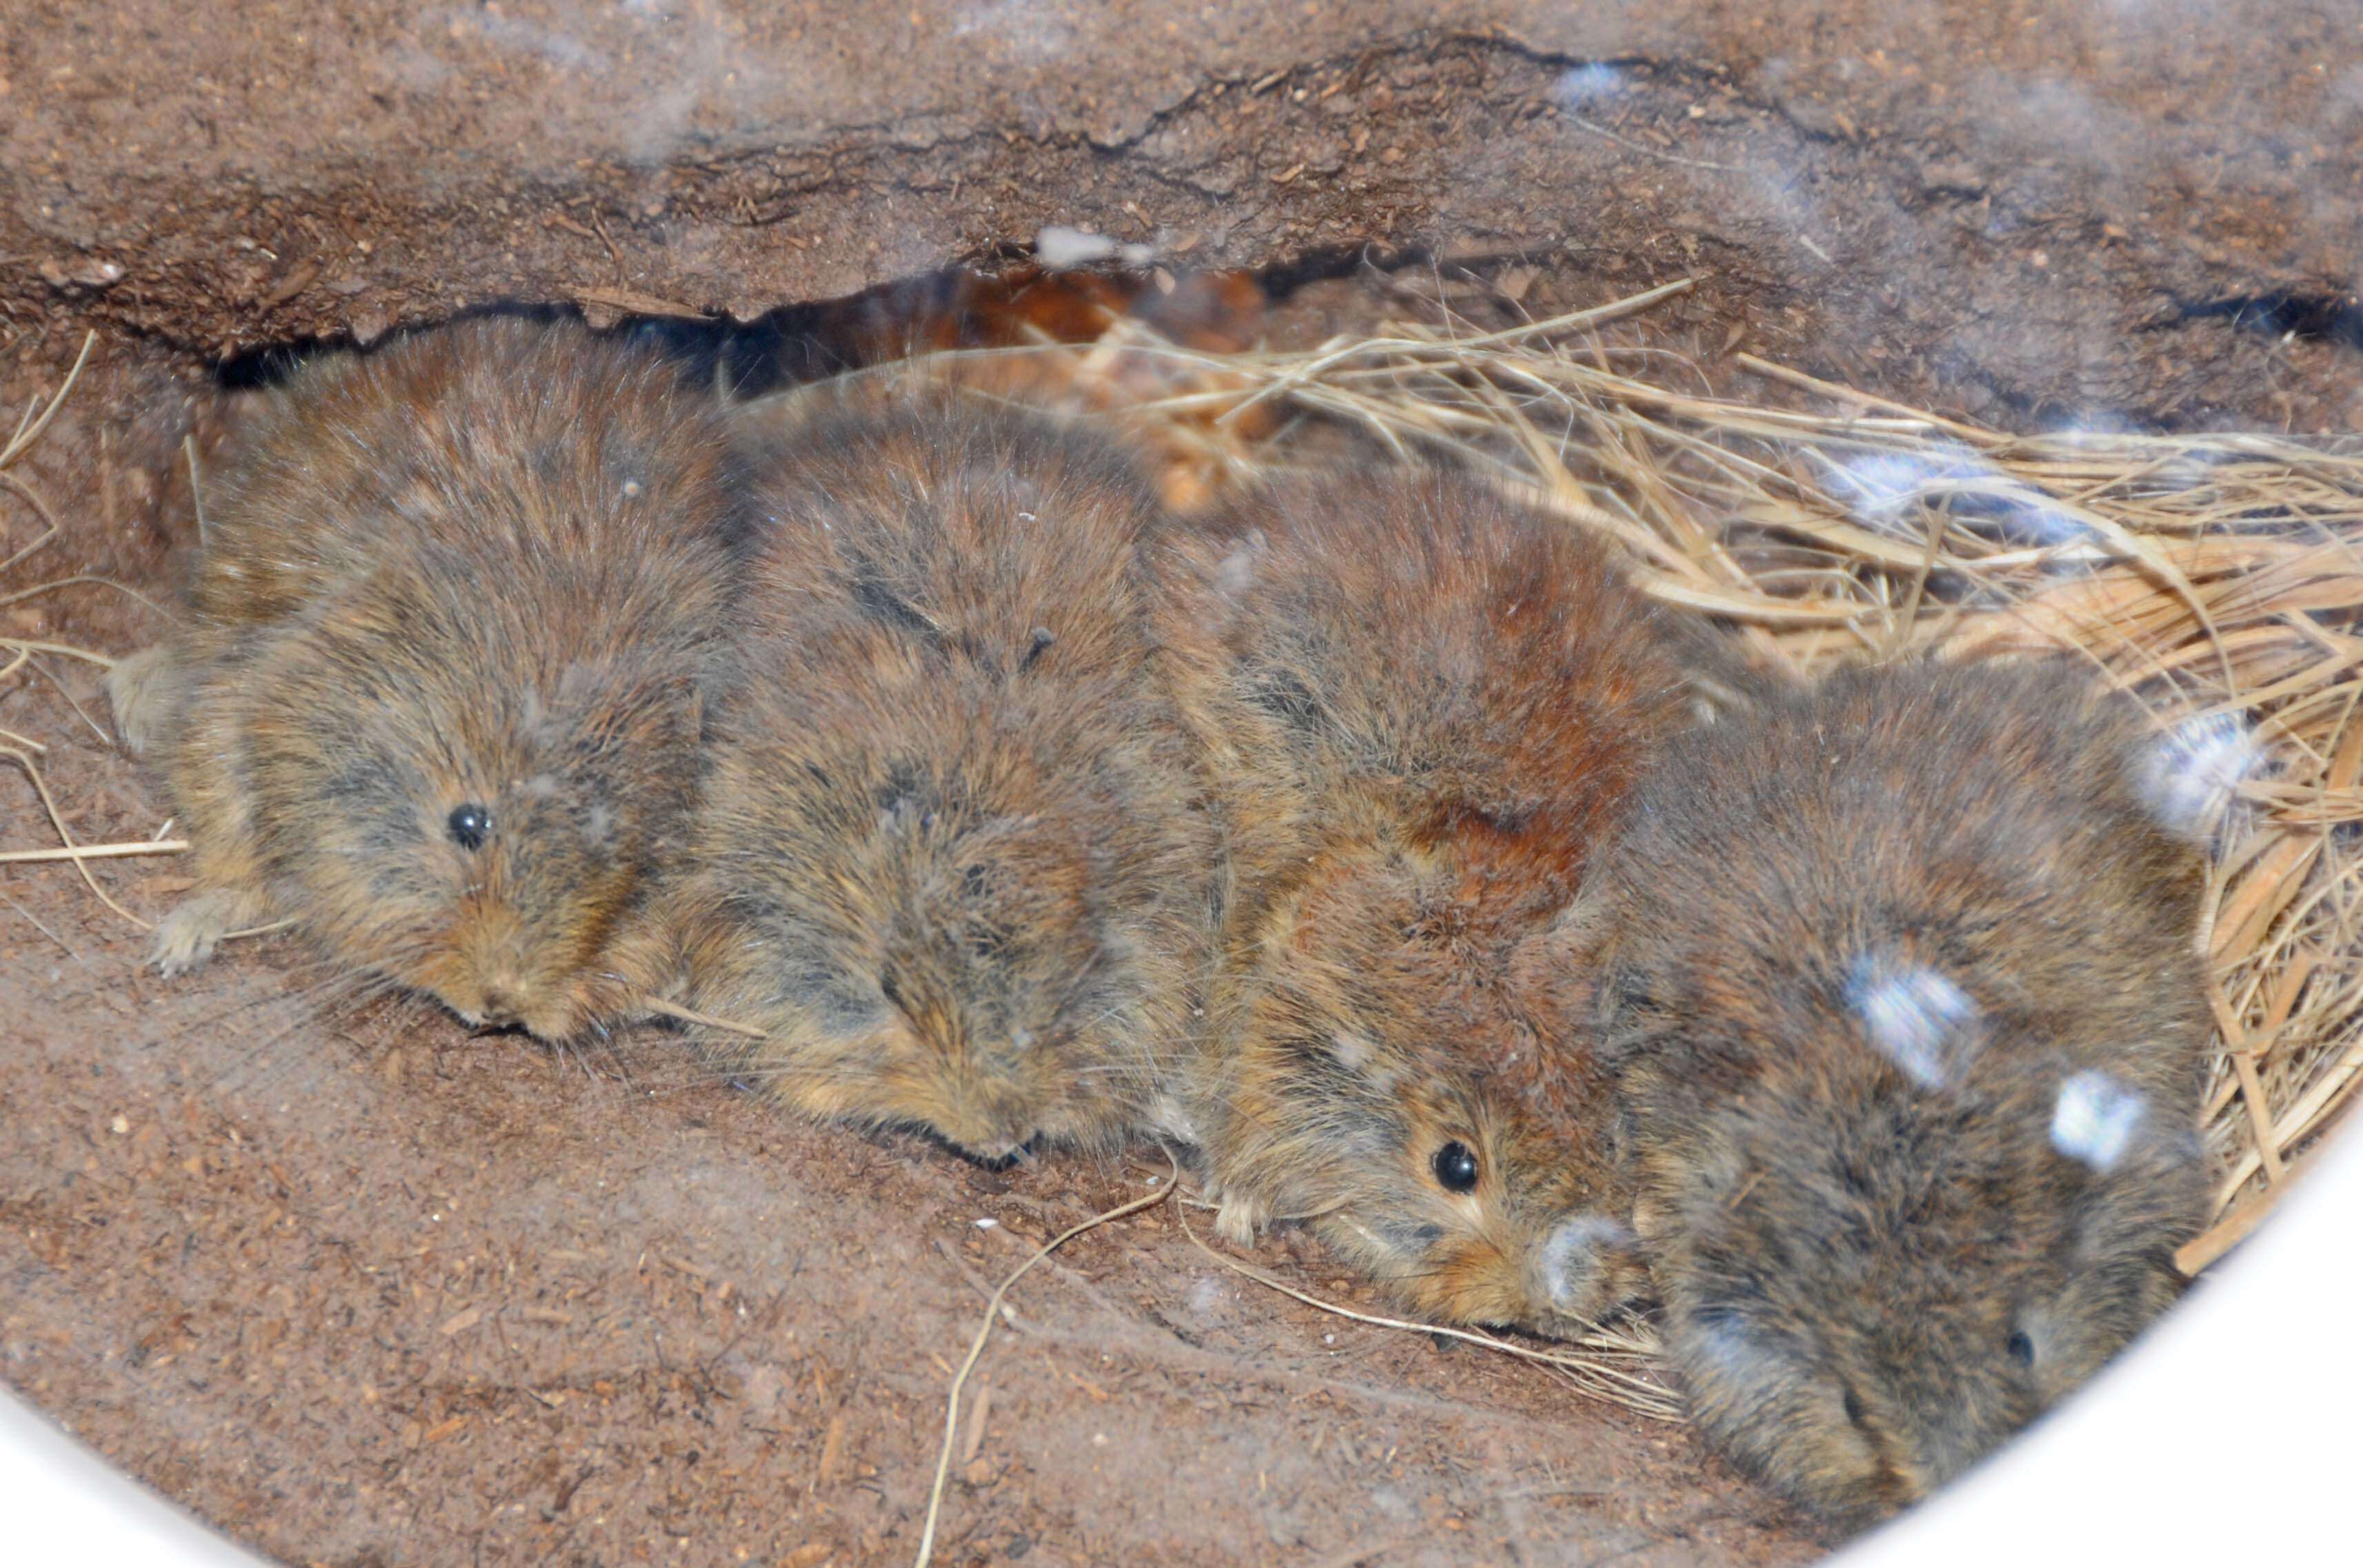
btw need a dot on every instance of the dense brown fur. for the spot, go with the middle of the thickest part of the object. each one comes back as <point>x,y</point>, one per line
<point>1419,702</point>
<point>481,566</point>
<point>1857,953</point>
<point>954,864</point>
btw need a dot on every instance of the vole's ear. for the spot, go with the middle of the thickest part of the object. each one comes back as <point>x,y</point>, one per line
<point>1719,1173</point>
<point>1554,973</point>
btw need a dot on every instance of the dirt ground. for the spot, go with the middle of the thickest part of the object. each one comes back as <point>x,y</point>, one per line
<point>368,1290</point>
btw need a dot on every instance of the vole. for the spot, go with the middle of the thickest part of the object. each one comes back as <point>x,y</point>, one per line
<point>1418,700</point>
<point>1896,983</point>
<point>438,695</point>
<point>955,864</point>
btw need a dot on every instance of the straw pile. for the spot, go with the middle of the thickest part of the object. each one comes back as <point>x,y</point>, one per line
<point>2218,577</point>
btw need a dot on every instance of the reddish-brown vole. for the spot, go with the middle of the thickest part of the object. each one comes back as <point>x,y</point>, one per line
<point>1419,700</point>
<point>1897,982</point>
<point>954,865</point>
<point>438,699</point>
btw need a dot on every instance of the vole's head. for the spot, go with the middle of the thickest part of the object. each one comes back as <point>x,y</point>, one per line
<point>457,796</point>
<point>1366,1096</point>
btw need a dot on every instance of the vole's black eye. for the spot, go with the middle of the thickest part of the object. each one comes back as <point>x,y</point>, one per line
<point>1854,1407</point>
<point>468,825</point>
<point>1455,1168</point>
<point>2021,1348</point>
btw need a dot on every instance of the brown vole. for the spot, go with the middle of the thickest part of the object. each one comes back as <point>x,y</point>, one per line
<point>437,697</point>
<point>1419,700</point>
<point>1899,989</point>
<point>954,863</point>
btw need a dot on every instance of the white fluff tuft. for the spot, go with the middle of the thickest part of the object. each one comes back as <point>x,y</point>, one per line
<point>2192,773</point>
<point>2094,1119</point>
<point>1919,1019</point>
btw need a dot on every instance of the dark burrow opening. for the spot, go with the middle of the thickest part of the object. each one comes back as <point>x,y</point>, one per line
<point>1004,299</point>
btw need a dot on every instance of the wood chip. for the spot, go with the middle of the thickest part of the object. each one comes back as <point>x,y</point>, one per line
<point>299,278</point>
<point>980,1409</point>
<point>631,302</point>
<point>832,1453</point>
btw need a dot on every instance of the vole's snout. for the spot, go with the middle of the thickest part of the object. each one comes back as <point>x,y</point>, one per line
<point>504,994</point>
<point>1010,1155</point>
<point>995,1125</point>
<point>1000,1148</point>
<point>507,999</point>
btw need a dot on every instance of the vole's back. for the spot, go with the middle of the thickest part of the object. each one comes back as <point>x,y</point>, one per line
<point>1976,822</point>
<point>506,444</point>
<point>1416,648</point>
<point>955,862</point>
<point>1003,541</point>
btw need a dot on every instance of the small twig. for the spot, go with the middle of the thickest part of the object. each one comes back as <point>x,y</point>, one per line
<point>24,759</point>
<point>40,588</point>
<point>72,702</point>
<point>49,519</point>
<point>1648,1399</point>
<point>22,441</point>
<point>2201,1252</point>
<point>196,489</point>
<point>1629,145</point>
<point>44,930</point>
<point>63,650</point>
<point>94,851</point>
<point>980,1410</point>
<point>985,1331</point>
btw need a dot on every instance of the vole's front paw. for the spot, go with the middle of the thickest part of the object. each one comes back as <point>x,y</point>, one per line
<point>1238,1219</point>
<point>135,691</point>
<point>186,939</point>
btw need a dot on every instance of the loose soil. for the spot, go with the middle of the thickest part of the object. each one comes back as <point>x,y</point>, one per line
<point>365,1290</point>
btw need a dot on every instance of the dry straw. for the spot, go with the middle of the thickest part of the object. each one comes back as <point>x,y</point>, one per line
<point>1616,1361</point>
<point>18,654</point>
<point>2218,577</point>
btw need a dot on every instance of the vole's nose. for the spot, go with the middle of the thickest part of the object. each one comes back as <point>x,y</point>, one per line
<point>1010,1152</point>
<point>501,1002</point>
<point>996,1135</point>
